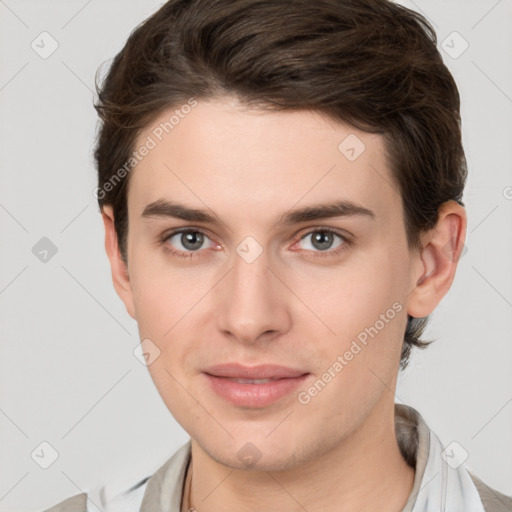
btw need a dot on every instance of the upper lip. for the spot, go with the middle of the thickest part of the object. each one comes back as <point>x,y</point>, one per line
<point>262,371</point>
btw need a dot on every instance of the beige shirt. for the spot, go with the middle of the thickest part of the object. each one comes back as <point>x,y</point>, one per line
<point>441,482</point>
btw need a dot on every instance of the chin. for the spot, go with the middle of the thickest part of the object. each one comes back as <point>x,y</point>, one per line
<point>254,453</point>
<point>262,461</point>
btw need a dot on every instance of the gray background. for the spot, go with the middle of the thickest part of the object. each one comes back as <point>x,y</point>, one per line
<point>68,375</point>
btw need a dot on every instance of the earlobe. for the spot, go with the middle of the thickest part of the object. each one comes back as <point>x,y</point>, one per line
<point>120,275</point>
<point>438,260</point>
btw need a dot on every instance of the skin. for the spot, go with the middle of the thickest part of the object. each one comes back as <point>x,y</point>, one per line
<point>338,452</point>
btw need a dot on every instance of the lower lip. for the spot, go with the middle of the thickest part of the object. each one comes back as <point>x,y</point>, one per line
<point>254,395</point>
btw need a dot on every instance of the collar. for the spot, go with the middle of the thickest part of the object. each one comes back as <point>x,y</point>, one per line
<point>440,481</point>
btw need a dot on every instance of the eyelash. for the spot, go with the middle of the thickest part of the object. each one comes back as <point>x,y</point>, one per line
<point>317,254</point>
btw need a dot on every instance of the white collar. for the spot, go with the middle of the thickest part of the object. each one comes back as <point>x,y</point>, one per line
<point>441,481</point>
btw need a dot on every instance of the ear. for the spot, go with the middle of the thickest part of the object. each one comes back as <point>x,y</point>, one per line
<point>120,276</point>
<point>438,260</point>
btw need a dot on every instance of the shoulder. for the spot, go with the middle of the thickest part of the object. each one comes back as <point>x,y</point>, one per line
<point>77,503</point>
<point>492,500</point>
<point>123,495</point>
<point>107,498</point>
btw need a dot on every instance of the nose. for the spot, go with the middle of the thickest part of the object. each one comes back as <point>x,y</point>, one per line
<point>253,304</point>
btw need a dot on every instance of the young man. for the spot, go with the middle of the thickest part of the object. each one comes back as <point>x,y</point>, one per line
<point>280,184</point>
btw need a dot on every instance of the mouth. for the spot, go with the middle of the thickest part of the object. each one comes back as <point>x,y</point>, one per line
<point>253,386</point>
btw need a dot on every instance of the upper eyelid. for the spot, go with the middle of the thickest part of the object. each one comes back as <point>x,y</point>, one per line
<point>328,230</point>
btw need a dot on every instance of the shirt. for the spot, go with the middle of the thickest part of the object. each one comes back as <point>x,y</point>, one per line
<point>441,482</point>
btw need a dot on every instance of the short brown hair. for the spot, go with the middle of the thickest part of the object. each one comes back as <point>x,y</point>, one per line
<point>370,63</point>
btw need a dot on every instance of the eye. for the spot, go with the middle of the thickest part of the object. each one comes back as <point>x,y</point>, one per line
<point>322,240</point>
<point>186,241</point>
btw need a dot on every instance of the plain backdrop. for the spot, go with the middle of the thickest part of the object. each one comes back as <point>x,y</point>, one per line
<point>68,375</point>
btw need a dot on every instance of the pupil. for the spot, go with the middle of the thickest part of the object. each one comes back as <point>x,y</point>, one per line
<point>323,239</point>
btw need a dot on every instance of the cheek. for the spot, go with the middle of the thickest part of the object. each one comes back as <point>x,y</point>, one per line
<point>363,306</point>
<point>358,365</point>
<point>163,293</point>
<point>351,296</point>
<point>164,305</point>
<point>156,309</point>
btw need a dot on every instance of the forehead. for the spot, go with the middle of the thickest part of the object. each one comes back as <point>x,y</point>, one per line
<point>221,155</point>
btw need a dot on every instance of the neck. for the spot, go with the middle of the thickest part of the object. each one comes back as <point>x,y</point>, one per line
<point>366,471</point>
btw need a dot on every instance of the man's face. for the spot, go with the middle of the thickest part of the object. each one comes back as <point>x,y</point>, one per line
<point>251,289</point>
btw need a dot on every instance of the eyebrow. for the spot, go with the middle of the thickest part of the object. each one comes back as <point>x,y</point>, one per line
<point>341,208</point>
